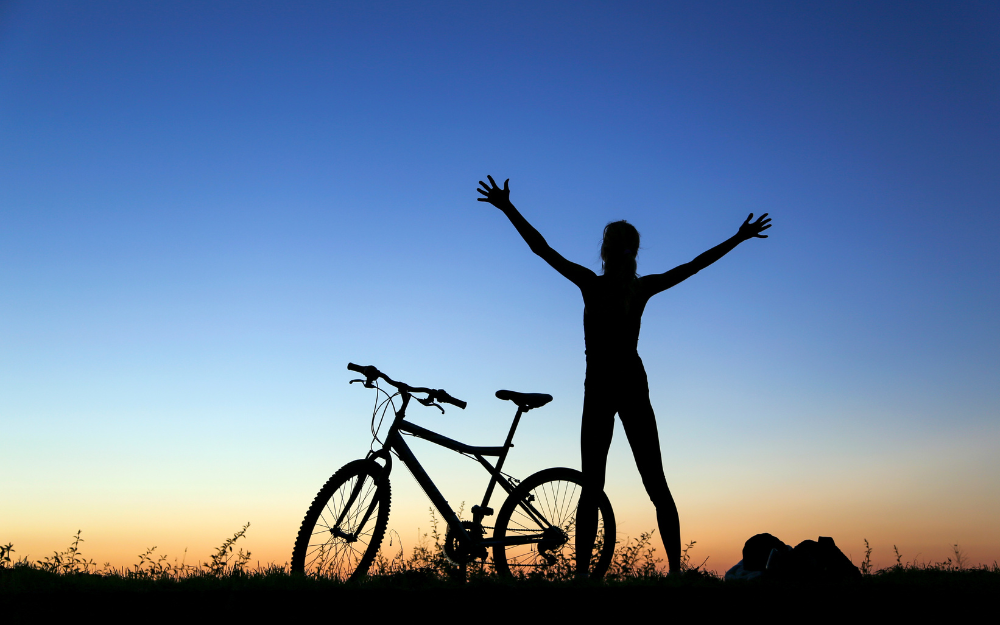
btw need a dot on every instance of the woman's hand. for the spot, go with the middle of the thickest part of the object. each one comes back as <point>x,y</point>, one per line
<point>753,230</point>
<point>495,195</point>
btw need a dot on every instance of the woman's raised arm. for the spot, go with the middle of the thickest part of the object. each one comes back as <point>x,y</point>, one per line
<point>501,199</point>
<point>749,230</point>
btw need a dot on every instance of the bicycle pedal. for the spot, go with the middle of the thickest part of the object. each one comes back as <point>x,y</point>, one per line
<point>485,511</point>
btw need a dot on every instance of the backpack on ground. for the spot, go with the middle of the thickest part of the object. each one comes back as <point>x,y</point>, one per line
<point>767,557</point>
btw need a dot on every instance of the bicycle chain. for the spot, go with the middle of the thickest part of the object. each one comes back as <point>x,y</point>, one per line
<point>490,527</point>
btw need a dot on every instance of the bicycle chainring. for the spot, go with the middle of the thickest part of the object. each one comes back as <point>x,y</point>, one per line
<point>453,548</point>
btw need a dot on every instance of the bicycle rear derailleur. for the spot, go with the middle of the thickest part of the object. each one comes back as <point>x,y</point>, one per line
<point>553,538</point>
<point>453,548</point>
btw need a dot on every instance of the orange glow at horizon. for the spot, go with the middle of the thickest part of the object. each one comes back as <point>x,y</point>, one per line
<point>719,523</point>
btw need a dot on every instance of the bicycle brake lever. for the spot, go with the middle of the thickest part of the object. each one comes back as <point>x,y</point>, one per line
<point>429,402</point>
<point>358,380</point>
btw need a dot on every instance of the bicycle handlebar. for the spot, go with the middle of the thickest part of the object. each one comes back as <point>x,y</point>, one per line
<point>363,370</point>
<point>441,395</point>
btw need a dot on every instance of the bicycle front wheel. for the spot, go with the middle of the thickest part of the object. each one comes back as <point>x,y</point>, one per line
<point>535,532</point>
<point>344,526</point>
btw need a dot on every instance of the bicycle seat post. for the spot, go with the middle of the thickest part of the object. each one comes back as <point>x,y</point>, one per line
<point>484,510</point>
<point>513,427</point>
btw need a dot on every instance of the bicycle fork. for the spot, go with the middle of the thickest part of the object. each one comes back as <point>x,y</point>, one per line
<point>339,533</point>
<point>355,492</point>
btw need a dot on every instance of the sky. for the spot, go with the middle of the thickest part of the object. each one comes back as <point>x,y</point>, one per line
<point>208,209</point>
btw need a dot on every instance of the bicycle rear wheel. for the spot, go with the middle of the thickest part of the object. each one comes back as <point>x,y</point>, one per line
<point>345,524</point>
<point>540,515</point>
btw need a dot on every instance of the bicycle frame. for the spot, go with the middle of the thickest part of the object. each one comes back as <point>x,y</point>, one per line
<point>394,443</point>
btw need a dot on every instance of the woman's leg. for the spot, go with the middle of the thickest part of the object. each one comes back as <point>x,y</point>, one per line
<point>639,423</point>
<point>595,440</point>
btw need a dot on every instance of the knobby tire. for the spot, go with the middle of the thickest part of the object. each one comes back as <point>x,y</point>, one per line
<point>318,551</point>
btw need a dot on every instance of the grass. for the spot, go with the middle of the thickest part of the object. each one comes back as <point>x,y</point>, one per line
<point>636,577</point>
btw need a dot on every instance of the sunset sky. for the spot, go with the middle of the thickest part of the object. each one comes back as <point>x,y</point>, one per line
<point>208,209</point>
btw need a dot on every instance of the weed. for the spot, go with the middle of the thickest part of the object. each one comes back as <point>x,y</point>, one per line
<point>866,564</point>
<point>686,559</point>
<point>158,567</point>
<point>635,559</point>
<point>960,561</point>
<point>67,562</point>
<point>224,560</point>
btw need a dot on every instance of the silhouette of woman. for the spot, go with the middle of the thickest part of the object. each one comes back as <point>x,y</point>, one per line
<point>616,380</point>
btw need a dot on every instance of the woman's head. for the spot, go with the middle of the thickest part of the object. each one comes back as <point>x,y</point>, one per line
<point>621,244</point>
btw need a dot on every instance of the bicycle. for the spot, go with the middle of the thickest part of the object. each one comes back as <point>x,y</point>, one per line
<point>535,527</point>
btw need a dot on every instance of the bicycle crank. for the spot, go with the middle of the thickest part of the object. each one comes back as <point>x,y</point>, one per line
<point>454,550</point>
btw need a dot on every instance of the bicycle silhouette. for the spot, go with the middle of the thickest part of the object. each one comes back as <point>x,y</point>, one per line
<point>535,528</point>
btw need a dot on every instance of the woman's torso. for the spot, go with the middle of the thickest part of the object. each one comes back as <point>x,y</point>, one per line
<point>612,317</point>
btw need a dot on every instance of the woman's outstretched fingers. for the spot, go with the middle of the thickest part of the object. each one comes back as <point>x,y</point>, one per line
<point>752,229</point>
<point>493,193</point>
<point>486,190</point>
<point>762,223</point>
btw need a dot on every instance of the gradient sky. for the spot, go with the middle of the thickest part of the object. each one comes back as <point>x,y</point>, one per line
<point>207,210</point>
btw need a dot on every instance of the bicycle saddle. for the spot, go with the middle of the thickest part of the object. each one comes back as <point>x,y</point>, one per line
<point>525,401</point>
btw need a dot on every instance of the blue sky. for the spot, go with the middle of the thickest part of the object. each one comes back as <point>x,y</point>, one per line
<point>207,210</point>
